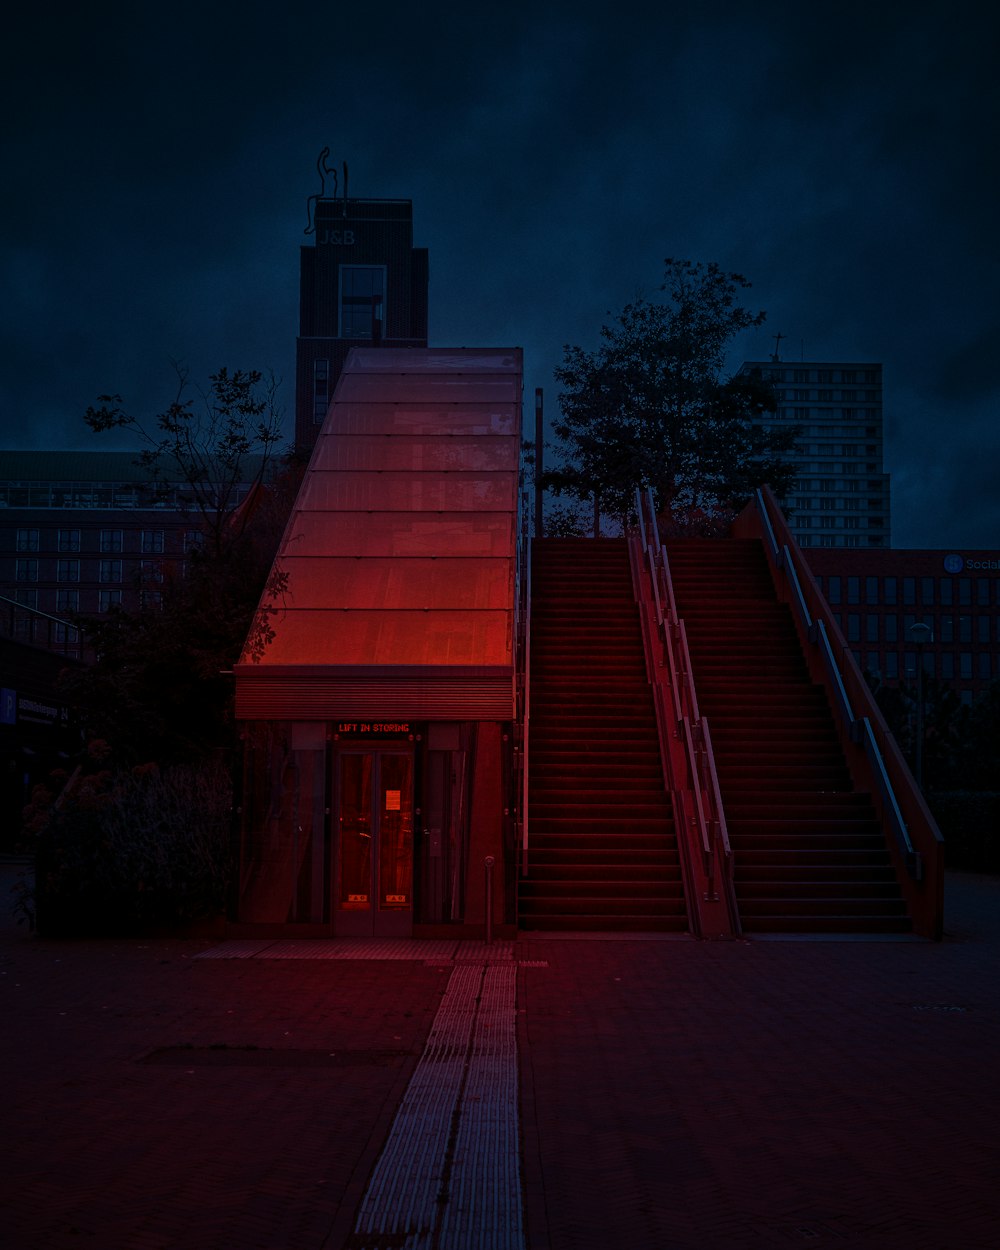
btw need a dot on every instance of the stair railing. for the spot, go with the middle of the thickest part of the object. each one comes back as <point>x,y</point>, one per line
<point>522,685</point>
<point>685,740</point>
<point>914,834</point>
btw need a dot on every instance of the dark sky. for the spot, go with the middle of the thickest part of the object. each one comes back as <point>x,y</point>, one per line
<point>844,157</point>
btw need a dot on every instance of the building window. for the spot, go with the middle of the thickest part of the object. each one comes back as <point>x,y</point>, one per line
<point>871,627</point>
<point>983,629</point>
<point>927,590</point>
<point>69,540</point>
<point>65,634</point>
<point>983,591</point>
<point>889,590</point>
<point>871,590</point>
<point>67,570</point>
<point>948,665</point>
<point>965,629</point>
<point>853,627</point>
<point>151,572</point>
<point>948,628</point>
<point>152,542</point>
<point>321,389</point>
<point>108,599</point>
<point>111,570</point>
<point>111,540</point>
<point>194,540</point>
<point>965,591</point>
<point>362,301</point>
<point>965,665</point>
<point>26,571</point>
<point>944,590</point>
<point>984,665</point>
<point>27,540</point>
<point>854,590</point>
<point>890,627</point>
<point>872,662</point>
<point>892,665</point>
<point>833,590</point>
<point>150,599</point>
<point>67,600</point>
<point>909,590</point>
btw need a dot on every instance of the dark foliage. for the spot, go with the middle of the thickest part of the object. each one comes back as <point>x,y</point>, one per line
<point>651,407</point>
<point>160,686</point>
<point>122,850</point>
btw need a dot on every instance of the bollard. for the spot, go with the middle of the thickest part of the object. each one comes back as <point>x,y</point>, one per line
<point>488,863</point>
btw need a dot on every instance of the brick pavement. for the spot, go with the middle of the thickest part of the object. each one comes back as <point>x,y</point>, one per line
<point>674,1093</point>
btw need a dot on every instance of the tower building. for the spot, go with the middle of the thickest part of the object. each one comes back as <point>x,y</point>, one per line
<point>362,284</point>
<point>841,494</point>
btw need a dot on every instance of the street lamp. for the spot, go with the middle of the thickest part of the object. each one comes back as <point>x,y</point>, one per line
<point>920,634</point>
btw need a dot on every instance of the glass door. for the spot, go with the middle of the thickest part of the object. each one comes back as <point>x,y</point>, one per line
<point>374,860</point>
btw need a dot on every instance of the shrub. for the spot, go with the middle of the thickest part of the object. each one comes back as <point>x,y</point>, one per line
<point>124,851</point>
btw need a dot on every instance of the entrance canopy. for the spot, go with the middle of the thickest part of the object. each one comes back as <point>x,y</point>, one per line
<point>393,590</point>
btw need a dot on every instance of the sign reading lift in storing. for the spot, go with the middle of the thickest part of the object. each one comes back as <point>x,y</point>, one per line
<point>373,729</point>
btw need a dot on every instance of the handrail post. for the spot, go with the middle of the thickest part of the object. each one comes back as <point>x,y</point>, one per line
<point>488,865</point>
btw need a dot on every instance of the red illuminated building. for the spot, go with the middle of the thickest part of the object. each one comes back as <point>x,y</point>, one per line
<point>377,687</point>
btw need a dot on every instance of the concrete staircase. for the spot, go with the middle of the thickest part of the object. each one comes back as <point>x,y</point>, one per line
<point>602,849</point>
<point>808,851</point>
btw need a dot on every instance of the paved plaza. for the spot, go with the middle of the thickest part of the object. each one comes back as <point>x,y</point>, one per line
<point>551,1093</point>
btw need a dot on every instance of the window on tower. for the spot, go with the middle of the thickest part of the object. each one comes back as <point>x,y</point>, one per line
<point>362,301</point>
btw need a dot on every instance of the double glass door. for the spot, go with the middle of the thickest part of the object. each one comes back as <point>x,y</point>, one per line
<point>374,860</point>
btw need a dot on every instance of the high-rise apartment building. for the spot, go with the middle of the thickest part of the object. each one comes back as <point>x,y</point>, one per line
<point>362,283</point>
<point>841,493</point>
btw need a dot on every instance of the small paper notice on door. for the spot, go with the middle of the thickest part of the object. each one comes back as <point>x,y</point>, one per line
<point>392,803</point>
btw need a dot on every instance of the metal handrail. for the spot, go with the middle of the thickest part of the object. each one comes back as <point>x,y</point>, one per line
<point>702,778</point>
<point>836,677</point>
<point>911,856</point>
<point>858,728</point>
<point>526,704</point>
<point>699,804</point>
<point>768,527</point>
<point>713,779</point>
<point>800,601</point>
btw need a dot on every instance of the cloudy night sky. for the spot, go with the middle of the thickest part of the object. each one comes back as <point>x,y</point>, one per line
<point>157,162</point>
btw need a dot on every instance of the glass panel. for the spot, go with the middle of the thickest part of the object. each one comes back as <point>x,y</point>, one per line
<point>385,452</point>
<point>396,534</point>
<point>355,832</point>
<point>414,387</point>
<point>395,833</point>
<point>404,492</point>
<point>401,637</point>
<point>433,585</point>
<point>412,418</point>
<point>283,875</point>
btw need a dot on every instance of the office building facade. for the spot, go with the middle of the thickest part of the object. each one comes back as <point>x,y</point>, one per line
<point>84,532</point>
<point>841,494</point>
<point>877,596</point>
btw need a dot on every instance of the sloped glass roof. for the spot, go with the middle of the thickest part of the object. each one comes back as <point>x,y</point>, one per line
<point>400,550</point>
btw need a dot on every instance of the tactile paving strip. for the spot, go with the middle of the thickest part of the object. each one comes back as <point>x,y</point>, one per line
<point>448,1177</point>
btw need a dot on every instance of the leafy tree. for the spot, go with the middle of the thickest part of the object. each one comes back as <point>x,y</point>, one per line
<point>651,406</point>
<point>231,438</point>
<point>945,745</point>
<point>158,688</point>
<point>980,757</point>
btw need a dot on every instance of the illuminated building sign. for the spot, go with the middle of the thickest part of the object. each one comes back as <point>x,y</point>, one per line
<point>959,564</point>
<point>341,238</point>
<point>373,729</point>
